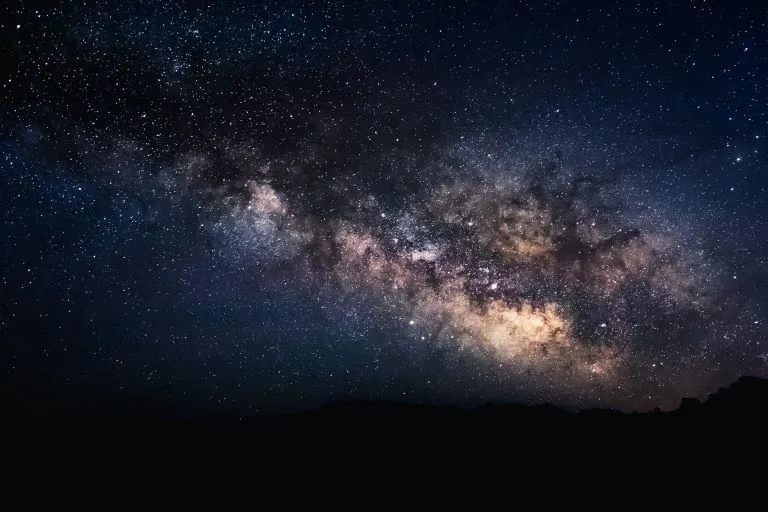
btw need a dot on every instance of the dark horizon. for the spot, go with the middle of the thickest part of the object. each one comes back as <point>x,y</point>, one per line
<point>743,401</point>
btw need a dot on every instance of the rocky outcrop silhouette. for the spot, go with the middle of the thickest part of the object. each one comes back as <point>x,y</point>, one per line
<point>746,398</point>
<point>505,448</point>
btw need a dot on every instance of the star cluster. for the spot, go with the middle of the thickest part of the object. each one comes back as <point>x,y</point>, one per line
<point>264,207</point>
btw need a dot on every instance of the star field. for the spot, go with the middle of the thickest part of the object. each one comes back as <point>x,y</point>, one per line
<point>256,207</point>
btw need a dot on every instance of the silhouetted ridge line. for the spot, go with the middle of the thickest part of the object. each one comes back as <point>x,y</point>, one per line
<point>747,397</point>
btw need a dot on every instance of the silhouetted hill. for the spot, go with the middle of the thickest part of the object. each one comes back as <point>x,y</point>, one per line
<point>747,398</point>
<point>491,445</point>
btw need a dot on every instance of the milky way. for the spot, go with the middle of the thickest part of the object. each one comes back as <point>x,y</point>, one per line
<point>529,270</point>
<point>249,209</point>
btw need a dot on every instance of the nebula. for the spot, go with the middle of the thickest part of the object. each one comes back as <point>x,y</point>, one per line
<point>534,271</point>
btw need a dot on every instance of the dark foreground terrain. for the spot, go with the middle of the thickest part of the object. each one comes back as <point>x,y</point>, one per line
<point>361,446</point>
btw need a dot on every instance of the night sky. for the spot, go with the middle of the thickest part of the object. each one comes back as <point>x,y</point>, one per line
<point>270,206</point>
